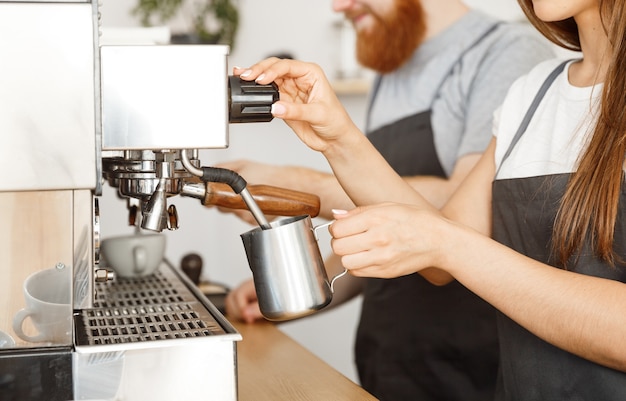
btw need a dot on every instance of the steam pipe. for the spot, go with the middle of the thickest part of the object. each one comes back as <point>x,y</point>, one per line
<point>234,180</point>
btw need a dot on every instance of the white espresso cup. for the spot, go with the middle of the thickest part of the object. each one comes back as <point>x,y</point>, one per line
<point>48,306</point>
<point>133,255</point>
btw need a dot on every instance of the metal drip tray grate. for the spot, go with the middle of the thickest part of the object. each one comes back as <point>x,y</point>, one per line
<point>131,310</point>
<point>151,290</point>
<point>125,325</point>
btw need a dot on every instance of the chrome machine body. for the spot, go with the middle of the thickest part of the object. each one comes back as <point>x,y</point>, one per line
<point>76,115</point>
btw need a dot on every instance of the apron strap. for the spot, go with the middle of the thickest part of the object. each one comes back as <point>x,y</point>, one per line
<point>531,110</point>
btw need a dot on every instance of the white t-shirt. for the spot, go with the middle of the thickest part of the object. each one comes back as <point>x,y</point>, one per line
<point>558,130</point>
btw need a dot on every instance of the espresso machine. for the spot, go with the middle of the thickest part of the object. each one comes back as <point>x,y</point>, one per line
<point>76,115</point>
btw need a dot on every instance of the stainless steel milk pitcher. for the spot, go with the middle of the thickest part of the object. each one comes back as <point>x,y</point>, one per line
<point>288,269</point>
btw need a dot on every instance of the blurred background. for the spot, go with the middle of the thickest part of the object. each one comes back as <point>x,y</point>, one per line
<point>309,31</point>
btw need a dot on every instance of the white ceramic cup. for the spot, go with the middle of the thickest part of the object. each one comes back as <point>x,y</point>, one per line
<point>48,306</point>
<point>133,255</point>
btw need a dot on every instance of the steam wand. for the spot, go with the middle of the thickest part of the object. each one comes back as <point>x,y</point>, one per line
<point>234,180</point>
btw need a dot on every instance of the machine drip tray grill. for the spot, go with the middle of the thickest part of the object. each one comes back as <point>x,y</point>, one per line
<point>131,310</point>
<point>130,292</point>
<point>123,325</point>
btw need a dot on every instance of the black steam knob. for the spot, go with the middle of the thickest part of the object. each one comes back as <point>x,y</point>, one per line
<point>249,101</point>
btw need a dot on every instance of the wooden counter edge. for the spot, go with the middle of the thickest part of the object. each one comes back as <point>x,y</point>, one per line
<point>272,366</point>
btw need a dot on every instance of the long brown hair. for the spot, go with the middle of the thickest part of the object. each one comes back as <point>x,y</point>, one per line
<point>590,205</point>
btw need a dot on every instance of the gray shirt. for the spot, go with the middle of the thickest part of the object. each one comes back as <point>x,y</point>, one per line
<point>462,75</point>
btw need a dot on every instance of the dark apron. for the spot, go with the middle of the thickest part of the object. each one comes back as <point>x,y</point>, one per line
<point>415,340</point>
<point>524,210</point>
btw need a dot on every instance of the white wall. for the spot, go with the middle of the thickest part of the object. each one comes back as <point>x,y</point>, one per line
<point>303,28</point>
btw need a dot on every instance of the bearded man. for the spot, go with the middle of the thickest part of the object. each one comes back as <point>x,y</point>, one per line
<point>442,71</point>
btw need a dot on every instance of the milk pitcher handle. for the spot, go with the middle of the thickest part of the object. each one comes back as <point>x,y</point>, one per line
<point>321,226</point>
<point>332,281</point>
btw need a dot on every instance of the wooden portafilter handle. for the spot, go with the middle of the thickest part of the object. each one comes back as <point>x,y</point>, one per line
<point>273,201</point>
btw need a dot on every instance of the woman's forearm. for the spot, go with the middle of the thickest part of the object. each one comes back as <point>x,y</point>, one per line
<point>582,314</point>
<point>365,175</point>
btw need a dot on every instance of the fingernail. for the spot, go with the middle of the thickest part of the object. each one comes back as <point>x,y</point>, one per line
<point>260,77</point>
<point>339,211</point>
<point>278,109</point>
<point>246,73</point>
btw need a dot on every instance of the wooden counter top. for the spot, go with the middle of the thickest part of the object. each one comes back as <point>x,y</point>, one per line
<point>274,367</point>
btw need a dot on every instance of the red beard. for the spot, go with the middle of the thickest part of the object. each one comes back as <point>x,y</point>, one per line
<point>394,38</point>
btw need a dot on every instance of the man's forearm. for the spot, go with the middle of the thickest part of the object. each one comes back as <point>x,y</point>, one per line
<point>324,185</point>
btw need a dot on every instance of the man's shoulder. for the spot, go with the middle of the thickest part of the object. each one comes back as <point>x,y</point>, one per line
<point>501,43</point>
<point>498,30</point>
<point>515,46</point>
<point>518,33</point>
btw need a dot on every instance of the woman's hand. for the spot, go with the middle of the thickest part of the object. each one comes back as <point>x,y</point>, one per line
<point>307,102</point>
<point>391,240</point>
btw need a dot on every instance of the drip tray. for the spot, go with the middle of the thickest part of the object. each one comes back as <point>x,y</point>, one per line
<point>146,309</point>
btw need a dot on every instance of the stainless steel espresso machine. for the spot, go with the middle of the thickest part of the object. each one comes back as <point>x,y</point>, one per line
<point>74,116</point>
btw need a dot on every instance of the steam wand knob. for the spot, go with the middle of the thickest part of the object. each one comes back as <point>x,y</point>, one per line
<point>250,101</point>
